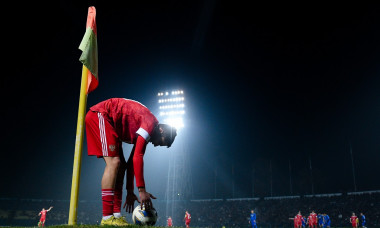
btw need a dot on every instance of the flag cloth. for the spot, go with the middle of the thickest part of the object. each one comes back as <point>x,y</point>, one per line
<point>89,48</point>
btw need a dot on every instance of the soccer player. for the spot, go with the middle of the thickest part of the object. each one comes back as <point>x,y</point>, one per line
<point>362,217</point>
<point>187,219</point>
<point>313,220</point>
<point>320,220</point>
<point>108,124</point>
<point>252,219</point>
<point>310,221</point>
<point>326,220</point>
<point>170,222</point>
<point>354,220</point>
<point>300,219</point>
<point>303,221</point>
<point>294,221</point>
<point>43,216</point>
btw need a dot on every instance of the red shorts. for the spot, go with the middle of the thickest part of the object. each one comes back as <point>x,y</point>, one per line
<point>42,219</point>
<point>102,140</point>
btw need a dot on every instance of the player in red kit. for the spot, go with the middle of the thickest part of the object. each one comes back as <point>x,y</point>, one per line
<point>108,124</point>
<point>310,221</point>
<point>170,222</point>
<point>295,221</point>
<point>187,219</point>
<point>43,216</point>
<point>299,219</point>
<point>354,220</point>
<point>313,219</point>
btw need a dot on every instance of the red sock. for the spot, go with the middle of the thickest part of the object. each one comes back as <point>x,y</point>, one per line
<point>107,198</point>
<point>117,200</point>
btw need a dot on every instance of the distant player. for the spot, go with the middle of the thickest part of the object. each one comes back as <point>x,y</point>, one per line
<point>295,222</point>
<point>170,222</point>
<point>300,219</point>
<point>304,221</point>
<point>108,124</point>
<point>309,221</point>
<point>326,220</point>
<point>314,219</point>
<point>43,216</point>
<point>187,219</point>
<point>252,219</point>
<point>362,218</point>
<point>320,220</point>
<point>354,220</point>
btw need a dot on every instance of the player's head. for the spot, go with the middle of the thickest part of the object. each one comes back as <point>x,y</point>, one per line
<point>163,135</point>
<point>361,213</point>
<point>252,211</point>
<point>353,214</point>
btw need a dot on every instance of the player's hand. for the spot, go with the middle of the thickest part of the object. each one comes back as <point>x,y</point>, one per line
<point>129,204</point>
<point>145,198</point>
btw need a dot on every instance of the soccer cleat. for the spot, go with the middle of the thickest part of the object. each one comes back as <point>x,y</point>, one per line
<point>108,221</point>
<point>120,222</point>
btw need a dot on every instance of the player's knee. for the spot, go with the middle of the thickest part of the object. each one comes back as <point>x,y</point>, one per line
<point>113,162</point>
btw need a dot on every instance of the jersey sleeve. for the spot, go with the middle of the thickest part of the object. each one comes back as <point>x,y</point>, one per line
<point>138,161</point>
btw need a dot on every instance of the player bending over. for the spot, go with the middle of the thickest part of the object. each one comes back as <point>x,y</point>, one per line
<point>108,124</point>
<point>43,216</point>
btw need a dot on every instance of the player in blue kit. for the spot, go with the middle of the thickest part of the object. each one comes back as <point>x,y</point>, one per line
<point>362,220</point>
<point>326,221</point>
<point>303,221</point>
<point>252,219</point>
<point>320,220</point>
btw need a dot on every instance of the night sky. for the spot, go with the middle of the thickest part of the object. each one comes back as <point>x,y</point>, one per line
<point>265,84</point>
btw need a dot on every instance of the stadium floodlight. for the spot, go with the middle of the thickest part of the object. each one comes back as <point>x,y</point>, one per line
<point>172,107</point>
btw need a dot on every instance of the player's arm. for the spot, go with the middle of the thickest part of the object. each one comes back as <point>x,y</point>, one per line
<point>138,167</point>
<point>130,176</point>
<point>49,208</point>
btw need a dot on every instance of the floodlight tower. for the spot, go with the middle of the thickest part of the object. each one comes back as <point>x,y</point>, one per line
<point>179,186</point>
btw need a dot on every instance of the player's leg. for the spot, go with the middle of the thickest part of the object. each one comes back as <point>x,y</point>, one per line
<point>101,142</point>
<point>119,220</point>
<point>108,188</point>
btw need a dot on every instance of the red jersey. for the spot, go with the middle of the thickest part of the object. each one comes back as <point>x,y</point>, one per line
<point>43,214</point>
<point>314,218</point>
<point>310,219</point>
<point>170,222</point>
<point>187,217</point>
<point>353,219</point>
<point>298,218</point>
<point>129,118</point>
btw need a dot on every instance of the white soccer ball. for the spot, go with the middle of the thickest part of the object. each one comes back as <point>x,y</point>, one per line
<point>144,217</point>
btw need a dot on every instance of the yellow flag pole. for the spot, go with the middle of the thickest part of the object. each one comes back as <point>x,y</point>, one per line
<point>78,149</point>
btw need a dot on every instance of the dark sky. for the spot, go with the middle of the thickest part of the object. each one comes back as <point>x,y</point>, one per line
<point>268,83</point>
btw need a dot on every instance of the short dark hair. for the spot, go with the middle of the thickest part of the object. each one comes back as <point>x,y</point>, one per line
<point>170,133</point>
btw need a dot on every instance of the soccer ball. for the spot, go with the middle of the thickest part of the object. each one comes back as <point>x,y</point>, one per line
<point>144,217</point>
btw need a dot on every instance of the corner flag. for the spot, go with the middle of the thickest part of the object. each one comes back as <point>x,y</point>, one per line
<point>89,48</point>
<point>89,58</point>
